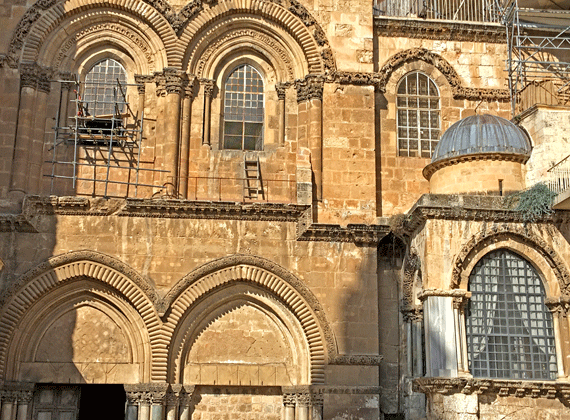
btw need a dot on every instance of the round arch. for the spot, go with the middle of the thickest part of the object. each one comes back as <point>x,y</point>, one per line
<point>49,34</point>
<point>83,276</point>
<point>535,250</point>
<point>269,278</point>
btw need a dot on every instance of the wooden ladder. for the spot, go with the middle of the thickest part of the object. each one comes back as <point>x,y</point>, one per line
<point>252,186</point>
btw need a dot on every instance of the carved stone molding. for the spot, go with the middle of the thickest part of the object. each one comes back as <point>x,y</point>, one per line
<point>311,87</point>
<point>439,30</point>
<point>208,87</point>
<point>281,89</point>
<point>16,223</point>
<point>170,81</point>
<point>354,78</point>
<point>414,314</point>
<point>411,267</point>
<point>519,232</point>
<point>503,388</point>
<point>437,61</point>
<point>36,77</point>
<point>430,169</point>
<point>356,360</point>
<point>559,305</point>
<point>216,47</point>
<point>455,293</point>
<point>358,233</point>
<point>289,392</point>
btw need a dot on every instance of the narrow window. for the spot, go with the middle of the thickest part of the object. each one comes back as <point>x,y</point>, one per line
<point>509,329</point>
<point>418,115</point>
<point>243,109</point>
<point>101,95</point>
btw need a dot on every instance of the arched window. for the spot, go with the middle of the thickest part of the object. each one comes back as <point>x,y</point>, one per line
<point>102,82</point>
<point>509,329</point>
<point>418,115</point>
<point>243,109</point>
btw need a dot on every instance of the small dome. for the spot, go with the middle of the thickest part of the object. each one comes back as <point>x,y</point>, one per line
<point>480,134</point>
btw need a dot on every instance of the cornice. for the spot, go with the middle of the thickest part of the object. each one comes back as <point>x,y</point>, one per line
<point>430,169</point>
<point>469,207</point>
<point>16,223</point>
<point>356,360</point>
<point>357,233</point>
<point>439,30</point>
<point>502,388</point>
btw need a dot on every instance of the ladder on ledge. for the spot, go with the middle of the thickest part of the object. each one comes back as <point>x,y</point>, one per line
<point>252,185</point>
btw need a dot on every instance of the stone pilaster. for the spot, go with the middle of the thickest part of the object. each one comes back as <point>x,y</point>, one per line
<point>185,136</point>
<point>208,91</point>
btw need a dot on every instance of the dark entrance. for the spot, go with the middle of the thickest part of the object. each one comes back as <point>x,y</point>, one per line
<point>79,402</point>
<point>102,402</point>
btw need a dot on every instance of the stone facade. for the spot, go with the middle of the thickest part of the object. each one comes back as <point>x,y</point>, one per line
<point>139,265</point>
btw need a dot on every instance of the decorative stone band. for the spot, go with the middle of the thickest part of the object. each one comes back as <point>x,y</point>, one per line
<point>412,314</point>
<point>170,80</point>
<point>316,391</point>
<point>559,305</point>
<point>36,77</point>
<point>311,87</point>
<point>454,293</point>
<point>438,30</point>
<point>503,388</point>
<point>430,169</point>
<point>20,392</point>
<point>16,223</point>
<point>356,360</point>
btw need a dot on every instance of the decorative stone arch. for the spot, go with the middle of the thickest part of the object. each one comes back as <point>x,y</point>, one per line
<point>43,27</point>
<point>524,242</point>
<point>76,278</point>
<point>443,66</point>
<point>283,26</point>
<point>266,277</point>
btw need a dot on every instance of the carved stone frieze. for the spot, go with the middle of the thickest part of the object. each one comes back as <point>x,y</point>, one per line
<point>411,267</point>
<point>16,223</point>
<point>170,81</point>
<point>361,234</point>
<point>36,77</point>
<point>214,48</point>
<point>503,388</point>
<point>455,293</point>
<point>413,314</point>
<point>311,87</point>
<point>141,80</point>
<point>354,78</point>
<point>328,60</point>
<point>439,30</point>
<point>356,360</point>
<point>435,60</point>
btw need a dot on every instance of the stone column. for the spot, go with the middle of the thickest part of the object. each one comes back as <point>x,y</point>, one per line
<point>158,398</point>
<point>185,137</point>
<point>133,401</point>
<point>24,400</point>
<point>316,406</point>
<point>559,313</point>
<point>460,335</point>
<point>172,402</point>
<point>170,84</point>
<point>289,401</point>
<point>281,88</point>
<point>30,129</point>
<point>309,97</point>
<point>8,405</point>
<point>185,402</point>
<point>302,407</point>
<point>413,317</point>
<point>208,90</point>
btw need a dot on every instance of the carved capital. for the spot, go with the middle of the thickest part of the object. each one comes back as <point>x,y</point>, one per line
<point>289,400</point>
<point>141,80</point>
<point>36,77</point>
<point>170,81</point>
<point>281,88</point>
<point>303,399</point>
<point>413,314</point>
<point>311,87</point>
<point>208,86</point>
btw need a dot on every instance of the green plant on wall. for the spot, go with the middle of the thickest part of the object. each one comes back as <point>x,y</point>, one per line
<point>532,203</point>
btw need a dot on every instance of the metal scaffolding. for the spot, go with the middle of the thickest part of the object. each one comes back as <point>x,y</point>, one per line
<point>538,61</point>
<point>480,11</point>
<point>101,149</point>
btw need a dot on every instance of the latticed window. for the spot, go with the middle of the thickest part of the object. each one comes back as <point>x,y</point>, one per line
<point>101,95</point>
<point>243,109</point>
<point>509,329</point>
<point>418,115</point>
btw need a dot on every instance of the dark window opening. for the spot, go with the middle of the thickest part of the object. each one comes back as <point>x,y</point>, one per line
<point>102,402</point>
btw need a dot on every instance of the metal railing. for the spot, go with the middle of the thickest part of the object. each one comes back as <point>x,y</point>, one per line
<point>207,188</point>
<point>558,176</point>
<point>486,11</point>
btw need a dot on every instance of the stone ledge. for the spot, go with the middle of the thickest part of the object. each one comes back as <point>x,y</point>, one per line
<point>17,223</point>
<point>439,30</point>
<point>500,387</point>
<point>357,233</point>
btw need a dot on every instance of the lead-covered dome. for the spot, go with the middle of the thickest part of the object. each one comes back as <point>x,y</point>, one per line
<point>480,134</point>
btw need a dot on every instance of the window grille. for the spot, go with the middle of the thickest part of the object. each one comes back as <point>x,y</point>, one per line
<point>509,329</point>
<point>100,96</point>
<point>243,109</point>
<point>418,115</point>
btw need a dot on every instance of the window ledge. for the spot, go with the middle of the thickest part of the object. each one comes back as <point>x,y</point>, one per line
<point>500,387</point>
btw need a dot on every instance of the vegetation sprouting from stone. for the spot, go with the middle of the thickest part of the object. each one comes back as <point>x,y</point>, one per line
<point>531,203</point>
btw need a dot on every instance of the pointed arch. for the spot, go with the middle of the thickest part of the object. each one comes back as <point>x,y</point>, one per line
<point>524,242</point>
<point>266,277</point>
<point>70,280</point>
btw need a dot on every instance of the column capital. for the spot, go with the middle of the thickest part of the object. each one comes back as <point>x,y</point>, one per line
<point>170,81</point>
<point>413,314</point>
<point>311,87</point>
<point>281,89</point>
<point>34,76</point>
<point>208,86</point>
<point>141,80</point>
